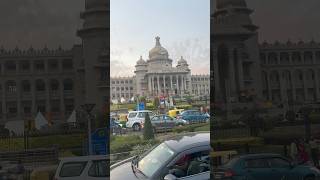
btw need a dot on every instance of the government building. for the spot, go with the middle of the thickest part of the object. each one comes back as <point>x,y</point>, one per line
<point>157,76</point>
<point>56,82</point>
<point>284,73</point>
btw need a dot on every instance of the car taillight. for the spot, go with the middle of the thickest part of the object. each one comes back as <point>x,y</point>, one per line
<point>229,173</point>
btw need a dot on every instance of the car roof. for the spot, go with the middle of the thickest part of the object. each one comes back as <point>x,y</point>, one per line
<point>186,141</point>
<point>139,111</point>
<point>83,158</point>
<point>261,155</point>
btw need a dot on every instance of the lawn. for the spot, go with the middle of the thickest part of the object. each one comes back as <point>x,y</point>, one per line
<point>61,141</point>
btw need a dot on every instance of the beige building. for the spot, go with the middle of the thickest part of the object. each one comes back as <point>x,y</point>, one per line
<point>286,73</point>
<point>157,76</point>
<point>57,81</point>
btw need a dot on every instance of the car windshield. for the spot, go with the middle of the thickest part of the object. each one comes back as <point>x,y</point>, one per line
<point>152,161</point>
<point>132,115</point>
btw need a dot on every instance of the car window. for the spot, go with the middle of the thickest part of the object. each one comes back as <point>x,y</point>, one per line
<point>256,163</point>
<point>167,118</point>
<point>191,164</point>
<point>72,169</point>
<point>150,114</point>
<point>141,115</point>
<point>279,163</point>
<point>155,159</point>
<point>98,169</point>
<point>132,115</point>
<point>156,118</point>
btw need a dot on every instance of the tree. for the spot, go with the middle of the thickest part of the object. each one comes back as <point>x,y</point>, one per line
<point>148,130</point>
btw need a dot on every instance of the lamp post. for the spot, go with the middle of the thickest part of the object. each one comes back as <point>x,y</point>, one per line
<point>88,108</point>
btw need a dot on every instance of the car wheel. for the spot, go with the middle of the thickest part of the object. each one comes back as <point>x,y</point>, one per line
<point>136,127</point>
<point>309,178</point>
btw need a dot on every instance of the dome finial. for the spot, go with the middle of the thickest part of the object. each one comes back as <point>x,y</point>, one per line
<point>158,41</point>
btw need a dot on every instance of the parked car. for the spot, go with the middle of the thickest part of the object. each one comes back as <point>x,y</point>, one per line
<point>83,168</point>
<point>164,122</point>
<point>183,157</point>
<point>265,167</point>
<point>193,116</point>
<point>136,119</point>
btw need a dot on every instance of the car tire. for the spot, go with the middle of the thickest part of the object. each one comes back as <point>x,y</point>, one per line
<point>136,127</point>
<point>309,178</point>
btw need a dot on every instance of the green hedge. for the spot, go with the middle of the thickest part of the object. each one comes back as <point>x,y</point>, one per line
<point>120,144</point>
<point>191,128</point>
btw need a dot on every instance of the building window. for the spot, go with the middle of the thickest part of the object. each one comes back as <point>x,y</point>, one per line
<point>25,66</point>
<point>12,110</point>
<point>11,87</point>
<point>27,110</point>
<point>39,65</point>
<point>67,64</point>
<point>122,88</point>
<point>41,108</point>
<point>53,65</point>
<point>68,85</point>
<point>117,82</point>
<point>122,82</point>
<point>40,85</point>
<point>26,86</point>
<point>54,85</point>
<point>131,88</point>
<point>113,82</point>
<point>117,88</point>
<point>104,75</point>
<point>10,65</point>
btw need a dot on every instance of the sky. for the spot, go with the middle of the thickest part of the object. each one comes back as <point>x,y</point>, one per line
<point>37,23</point>
<point>182,25</point>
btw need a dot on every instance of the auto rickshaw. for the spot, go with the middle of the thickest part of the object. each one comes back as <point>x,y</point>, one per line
<point>174,112</point>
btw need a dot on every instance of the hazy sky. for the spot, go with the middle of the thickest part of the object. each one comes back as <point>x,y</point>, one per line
<point>55,22</point>
<point>183,26</point>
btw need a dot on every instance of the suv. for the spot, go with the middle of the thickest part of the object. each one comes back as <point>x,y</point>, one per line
<point>83,168</point>
<point>136,119</point>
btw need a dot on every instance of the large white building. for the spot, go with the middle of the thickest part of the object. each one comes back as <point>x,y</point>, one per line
<point>157,76</point>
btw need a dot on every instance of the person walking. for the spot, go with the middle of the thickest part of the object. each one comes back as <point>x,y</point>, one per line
<point>294,150</point>
<point>314,151</point>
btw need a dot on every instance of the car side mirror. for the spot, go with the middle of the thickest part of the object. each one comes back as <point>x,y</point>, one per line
<point>170,177</point>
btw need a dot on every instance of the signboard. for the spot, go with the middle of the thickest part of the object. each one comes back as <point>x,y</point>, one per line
<point>140,107</point>
<point>99,141</point>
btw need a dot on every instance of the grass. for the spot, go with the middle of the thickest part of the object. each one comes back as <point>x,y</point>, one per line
<point>61,141</point>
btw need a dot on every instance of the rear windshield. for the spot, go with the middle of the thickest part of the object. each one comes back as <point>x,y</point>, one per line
<point>72,169</point>
<point>132,115</point>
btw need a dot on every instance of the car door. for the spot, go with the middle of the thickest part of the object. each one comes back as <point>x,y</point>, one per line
<point>281,169</point>
<point>169,122</point>
<point>156,123</point>
<point>200,176</point>
<point>257,169</point>
<point>98,170</point>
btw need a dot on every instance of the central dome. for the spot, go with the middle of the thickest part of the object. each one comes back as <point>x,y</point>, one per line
<point>158,52</point>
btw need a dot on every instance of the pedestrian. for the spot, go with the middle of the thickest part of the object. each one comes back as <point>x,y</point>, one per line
<point>314,151</point>
<point>302,153</point>
<point>294,150</point>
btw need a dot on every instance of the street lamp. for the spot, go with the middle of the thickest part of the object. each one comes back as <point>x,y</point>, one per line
<point>88,108</point>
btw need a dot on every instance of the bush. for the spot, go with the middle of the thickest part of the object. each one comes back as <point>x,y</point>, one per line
<point>148,129</point>
<point>120,144</point>
<point>189,128</point>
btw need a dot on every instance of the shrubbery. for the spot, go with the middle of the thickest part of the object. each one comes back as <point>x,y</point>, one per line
<point>148,129</point>
<point>120,144</point>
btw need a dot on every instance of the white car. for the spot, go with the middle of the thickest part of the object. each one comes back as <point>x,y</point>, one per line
<point>83,168</point>
<point>136,119</point>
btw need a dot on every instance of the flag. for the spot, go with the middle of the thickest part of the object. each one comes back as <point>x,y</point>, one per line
<point>40,121</point>
<point>72,118</point>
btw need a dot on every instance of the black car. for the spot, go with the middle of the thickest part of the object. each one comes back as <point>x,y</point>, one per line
<point>183,157</point>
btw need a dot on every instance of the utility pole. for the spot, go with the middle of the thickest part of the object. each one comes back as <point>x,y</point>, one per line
<point>88,108</point>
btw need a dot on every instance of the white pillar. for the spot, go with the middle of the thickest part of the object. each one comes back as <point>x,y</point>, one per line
<point>171,83</point>
<point>164,84</point>
<point>177,84</point>
<point>149,84</point>
<point>158,89</point>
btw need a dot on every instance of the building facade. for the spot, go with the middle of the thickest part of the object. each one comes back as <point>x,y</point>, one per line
<point>245,71</point>
<point>57,81</point>
<point>157,76</point>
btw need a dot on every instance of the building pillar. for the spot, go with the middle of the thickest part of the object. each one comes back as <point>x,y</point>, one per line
<point>62,105</point>
<point>177,84</point>
<point>293,82</point>
<point>152,85</point>
<point>305,90</point>
<point>19,91</point>
<point>316,73</point>
<point>232,80</point>
<point>48,107</point>
<point>4,107</point>
<point>164,84</point>
<point>158,89</point>
<point>149,85</point>
<point>171,83</point>
<point>269,86</point>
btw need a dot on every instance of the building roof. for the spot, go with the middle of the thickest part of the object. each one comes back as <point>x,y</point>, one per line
<point>158,52</point>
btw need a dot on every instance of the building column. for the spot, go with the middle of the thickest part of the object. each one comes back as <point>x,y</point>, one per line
<point>62,106</point>
<point>305,90</point>
<point>4,107</point>
<point>269,86</point>
<point>164,84</point>
<point>152,84</point>
<point>293,82</point>
<point>19,91</point>
<point>171,83</point>
<point>158,89</point>
<point>48,107</point>
<point>177,84</point>
<point>316,73</point>
<point>185,83</point>
<point>149,85</point>
<point>33,96</point>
